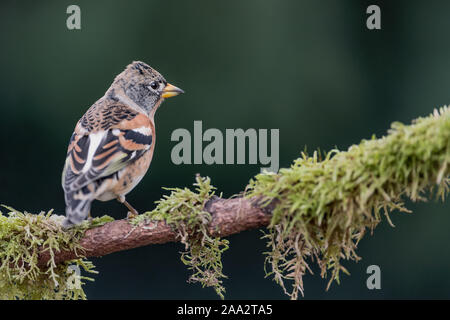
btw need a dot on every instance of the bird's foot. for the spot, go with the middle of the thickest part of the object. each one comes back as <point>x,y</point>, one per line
<point>131,215</point>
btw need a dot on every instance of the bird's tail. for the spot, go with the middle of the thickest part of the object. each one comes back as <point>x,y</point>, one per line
<point>78,205</point>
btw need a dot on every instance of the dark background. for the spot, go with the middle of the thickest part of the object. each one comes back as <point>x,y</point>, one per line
<point>310,68</point>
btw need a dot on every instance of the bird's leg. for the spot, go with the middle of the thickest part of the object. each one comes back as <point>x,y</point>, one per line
<point>89,217</point>
<point>133,212</point>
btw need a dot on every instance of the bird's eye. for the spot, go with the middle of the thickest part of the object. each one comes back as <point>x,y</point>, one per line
<point>154,85</point>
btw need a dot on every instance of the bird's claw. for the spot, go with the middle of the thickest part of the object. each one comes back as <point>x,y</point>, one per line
<point>131,215</point>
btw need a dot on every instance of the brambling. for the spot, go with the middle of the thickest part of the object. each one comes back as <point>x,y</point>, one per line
<point>112,145</point>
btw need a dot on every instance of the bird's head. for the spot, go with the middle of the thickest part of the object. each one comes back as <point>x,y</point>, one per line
<point>144,86</point>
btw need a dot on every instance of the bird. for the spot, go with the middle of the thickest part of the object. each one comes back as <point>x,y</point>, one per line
<point>112,145</point>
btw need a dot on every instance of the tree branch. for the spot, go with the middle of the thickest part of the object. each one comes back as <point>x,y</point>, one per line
<point>229,216</point>
<point>320,207</point>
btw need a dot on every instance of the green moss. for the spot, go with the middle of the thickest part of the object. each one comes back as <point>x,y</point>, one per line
<point>22,237</point>
<point>325,206</point>
<point>184,210</point>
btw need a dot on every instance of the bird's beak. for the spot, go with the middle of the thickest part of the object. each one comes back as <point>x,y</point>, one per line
<point>171,91</point>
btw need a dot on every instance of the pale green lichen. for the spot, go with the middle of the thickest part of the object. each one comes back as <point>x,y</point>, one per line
<point>184,210</point>
<point>324,207</point>
<point>22,237</point>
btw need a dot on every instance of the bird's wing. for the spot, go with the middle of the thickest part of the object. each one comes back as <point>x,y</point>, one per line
<point>100,147</point>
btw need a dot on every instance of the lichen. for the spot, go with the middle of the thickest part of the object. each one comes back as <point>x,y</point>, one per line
<point>325,205</point>
<point>184,210</point>
<point>22,237</point>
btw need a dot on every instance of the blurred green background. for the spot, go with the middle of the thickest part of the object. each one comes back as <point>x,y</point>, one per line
<point>310,68</point>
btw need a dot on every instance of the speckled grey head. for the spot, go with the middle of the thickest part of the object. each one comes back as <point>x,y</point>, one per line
<point>144,86</point>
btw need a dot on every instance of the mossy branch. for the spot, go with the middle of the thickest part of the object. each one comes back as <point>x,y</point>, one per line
<point>228,216</point>
<point>316,210</point>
